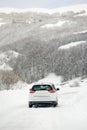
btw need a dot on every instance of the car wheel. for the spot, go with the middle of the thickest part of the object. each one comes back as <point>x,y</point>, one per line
<point>54,105</point>
<point>30,105</point>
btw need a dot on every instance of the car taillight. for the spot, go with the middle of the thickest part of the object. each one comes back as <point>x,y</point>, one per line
<point>32,91</point>
<point>52,91</point>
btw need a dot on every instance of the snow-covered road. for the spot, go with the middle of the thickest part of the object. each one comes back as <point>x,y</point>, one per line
<point>71,114</point>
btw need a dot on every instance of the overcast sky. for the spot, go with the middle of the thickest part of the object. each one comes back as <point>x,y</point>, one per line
<point>39,3</point>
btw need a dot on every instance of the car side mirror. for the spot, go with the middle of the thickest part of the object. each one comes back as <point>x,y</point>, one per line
<point>57,89</point>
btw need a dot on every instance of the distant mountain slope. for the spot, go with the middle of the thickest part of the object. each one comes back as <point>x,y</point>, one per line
<point>39,37</point>
<point>75,8</point>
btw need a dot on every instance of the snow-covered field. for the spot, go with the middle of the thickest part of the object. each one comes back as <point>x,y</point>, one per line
<point>71,114</point>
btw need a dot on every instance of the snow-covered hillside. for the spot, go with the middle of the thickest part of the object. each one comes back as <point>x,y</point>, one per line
<point>75,8</point>
<point>71,114</point>
<point>36,42</point>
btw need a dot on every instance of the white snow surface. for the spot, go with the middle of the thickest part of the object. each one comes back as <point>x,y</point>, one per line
<point>71,114</point>
<point>80,32</point>
<point>72,44</point>
<point>5,57</point>
<point>51,78</point>
<point>58,24</point>
<point>2,23</point>
<point>12,53</point>
<point>19,85</point>
<point>4,67</point>
<point>75,8</point>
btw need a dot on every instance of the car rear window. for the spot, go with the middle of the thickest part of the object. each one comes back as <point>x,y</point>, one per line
<point>41,87</point>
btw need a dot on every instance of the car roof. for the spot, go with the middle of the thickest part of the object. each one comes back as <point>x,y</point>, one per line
<point>43,83</point>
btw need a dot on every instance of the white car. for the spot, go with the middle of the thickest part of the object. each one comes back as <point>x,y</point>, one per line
<point>43,94</point>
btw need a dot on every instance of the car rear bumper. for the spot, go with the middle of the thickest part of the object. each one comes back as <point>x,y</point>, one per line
<point>42,103</point>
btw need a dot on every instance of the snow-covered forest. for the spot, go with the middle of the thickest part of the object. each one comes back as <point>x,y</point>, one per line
<point>34,43</point>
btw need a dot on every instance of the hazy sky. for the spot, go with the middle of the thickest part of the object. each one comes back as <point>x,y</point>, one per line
<point>39,3</point>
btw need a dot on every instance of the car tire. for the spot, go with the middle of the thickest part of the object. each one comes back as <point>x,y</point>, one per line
<point>30,105</point>
<point>55,105</point>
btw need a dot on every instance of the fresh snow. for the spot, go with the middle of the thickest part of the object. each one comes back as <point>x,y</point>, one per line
<point>51,78</point>
<point>6,56</point>
<point>28,22</point>
<point>58,24</point>
<point>2,23</point>
<point>80,32</point>
<point>19,85</point>
<point>4,67</point>
<point>71,114</point>
<point>72,44</point>
<point>3,56</point>
<point>14,10</point>
<point>12,53</point>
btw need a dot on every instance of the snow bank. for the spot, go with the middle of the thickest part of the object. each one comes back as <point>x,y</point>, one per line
<point>20,85</point>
